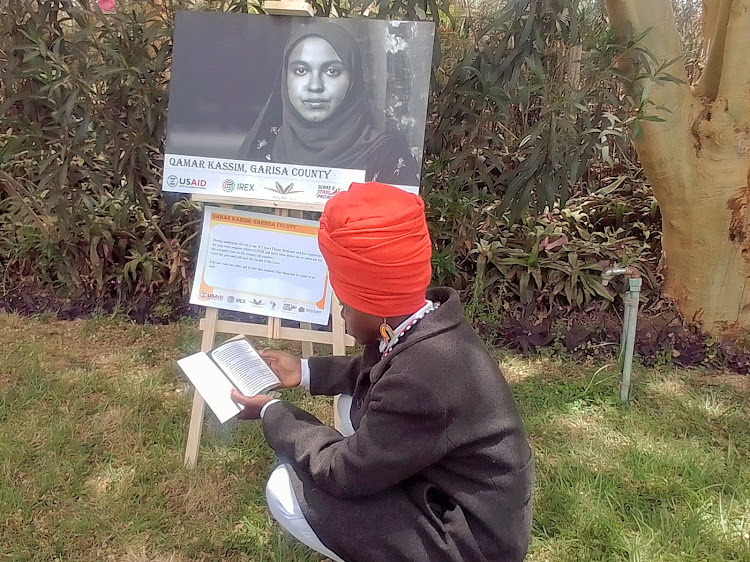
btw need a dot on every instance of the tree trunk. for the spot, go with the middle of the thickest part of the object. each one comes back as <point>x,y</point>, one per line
<point>698,161</point>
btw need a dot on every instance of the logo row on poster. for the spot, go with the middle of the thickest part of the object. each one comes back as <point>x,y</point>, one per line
<point>278,307</point>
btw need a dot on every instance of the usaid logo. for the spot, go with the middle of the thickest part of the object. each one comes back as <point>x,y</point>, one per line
<point>228,186</point>
<point>212,296</point>
<point>193,183</point>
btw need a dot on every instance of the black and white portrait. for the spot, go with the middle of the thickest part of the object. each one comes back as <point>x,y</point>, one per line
<point>309,104</point>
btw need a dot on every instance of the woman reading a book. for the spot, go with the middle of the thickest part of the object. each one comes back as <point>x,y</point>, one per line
<point>433,464</point>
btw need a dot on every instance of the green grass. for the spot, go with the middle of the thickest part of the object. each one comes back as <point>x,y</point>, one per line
<point>93,421</point>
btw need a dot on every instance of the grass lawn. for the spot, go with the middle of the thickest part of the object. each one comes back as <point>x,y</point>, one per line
<point>93,422</point>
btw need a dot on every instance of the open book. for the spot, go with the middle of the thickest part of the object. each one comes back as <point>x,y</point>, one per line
<point>233,364</point>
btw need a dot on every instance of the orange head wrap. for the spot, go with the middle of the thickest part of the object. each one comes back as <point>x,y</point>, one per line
<point>375,241</point>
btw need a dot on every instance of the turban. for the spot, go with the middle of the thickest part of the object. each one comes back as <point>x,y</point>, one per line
<point>375,242</point>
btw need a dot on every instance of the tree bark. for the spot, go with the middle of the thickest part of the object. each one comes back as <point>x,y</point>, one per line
<point>698,162</point>
<point>708,83</point>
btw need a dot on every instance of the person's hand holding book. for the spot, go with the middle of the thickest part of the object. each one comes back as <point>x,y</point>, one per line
<point>251,405</point>
<point>234,376</point>
<point>285,366</point>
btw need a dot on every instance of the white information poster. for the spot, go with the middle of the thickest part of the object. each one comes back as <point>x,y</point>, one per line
<point>261,264</point>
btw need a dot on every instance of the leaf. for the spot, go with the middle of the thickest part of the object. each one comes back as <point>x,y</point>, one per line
<point>93,251</point>
<point>535,67</point>
<point>148,268</point>
<point>611,187</point>
<point>523,287</point>
<point>537,276</point>
<point>646,91</point>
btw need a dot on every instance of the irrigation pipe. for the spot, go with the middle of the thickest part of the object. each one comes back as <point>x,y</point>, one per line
<point>629,320</point>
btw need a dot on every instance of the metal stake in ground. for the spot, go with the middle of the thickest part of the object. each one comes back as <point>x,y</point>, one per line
<point>630,299</point>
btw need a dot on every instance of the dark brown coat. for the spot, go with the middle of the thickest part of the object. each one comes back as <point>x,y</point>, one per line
<point>439,468</point>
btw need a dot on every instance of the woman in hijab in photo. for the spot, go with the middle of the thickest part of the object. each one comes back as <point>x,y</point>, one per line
<point>325,117</point>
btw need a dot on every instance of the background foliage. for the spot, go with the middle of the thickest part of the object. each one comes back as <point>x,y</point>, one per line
<point>531,185</point>
<point>83,120</point>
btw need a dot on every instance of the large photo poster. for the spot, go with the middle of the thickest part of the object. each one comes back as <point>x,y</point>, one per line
<point>295,109</point>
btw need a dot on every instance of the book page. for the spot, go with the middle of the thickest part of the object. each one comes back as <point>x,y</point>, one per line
<point>211,384</point>
<point>244,367</point>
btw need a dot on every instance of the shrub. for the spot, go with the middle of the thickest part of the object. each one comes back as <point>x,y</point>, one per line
<point>552,260</point>
<point>515,124</point>
<point>84,109</point>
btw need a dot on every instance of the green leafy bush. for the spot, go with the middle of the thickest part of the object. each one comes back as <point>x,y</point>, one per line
<point>83,113</point>
<point>551,260</point>
<point>512,125</point>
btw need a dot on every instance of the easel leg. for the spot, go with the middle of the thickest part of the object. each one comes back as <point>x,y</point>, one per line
<point>196,416</point>
<point>307,346</point>
<point>195,430</point>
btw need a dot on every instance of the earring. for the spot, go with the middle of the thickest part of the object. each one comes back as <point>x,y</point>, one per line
<point>386,332</point>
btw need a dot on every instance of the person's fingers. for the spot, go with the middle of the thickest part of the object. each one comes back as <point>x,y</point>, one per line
<point>268,355</point>
<point>272,354</point>
<point>276,355</point>
<point>239,398</point>
<point>271,357</point>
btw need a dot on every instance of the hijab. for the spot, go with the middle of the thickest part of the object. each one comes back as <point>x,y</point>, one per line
<point>346,139</point>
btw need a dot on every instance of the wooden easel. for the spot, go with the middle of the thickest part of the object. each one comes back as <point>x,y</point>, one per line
<point>210,325</point>
<point>288,8</point>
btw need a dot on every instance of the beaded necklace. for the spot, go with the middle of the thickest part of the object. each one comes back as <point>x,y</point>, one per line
<point>391,343</point>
